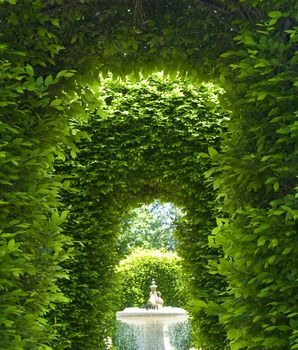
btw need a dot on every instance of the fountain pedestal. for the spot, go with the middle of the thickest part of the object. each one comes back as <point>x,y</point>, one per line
<point>154,332</point>
<point>154,323</point>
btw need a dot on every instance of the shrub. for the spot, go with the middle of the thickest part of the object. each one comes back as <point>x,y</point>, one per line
<point>137,271</point>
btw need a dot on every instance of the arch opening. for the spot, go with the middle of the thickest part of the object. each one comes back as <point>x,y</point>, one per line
<point>154,136</point>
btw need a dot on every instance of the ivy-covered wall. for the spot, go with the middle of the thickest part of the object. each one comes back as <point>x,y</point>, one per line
<point>255,173</point>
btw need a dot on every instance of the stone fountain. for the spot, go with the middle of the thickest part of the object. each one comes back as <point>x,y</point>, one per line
<point>154,320</point>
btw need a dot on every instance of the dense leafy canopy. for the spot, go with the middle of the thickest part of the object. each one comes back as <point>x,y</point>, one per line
<point>250,47</point>
<point>258,184</point>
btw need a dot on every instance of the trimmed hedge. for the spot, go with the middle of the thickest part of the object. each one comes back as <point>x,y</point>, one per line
<point>41,43</point>
<point>150,141</point>
<point>257,178</point>
<point>33,125</point>
<point>140,267</point>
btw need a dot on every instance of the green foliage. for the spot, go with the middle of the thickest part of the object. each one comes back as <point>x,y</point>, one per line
<point>255,173</point>
<point>32,245</point>
<point>137,271</point>
<point>257,178</point>
<point>148,141</point>
<point>127,37</point>
<point>206,290</point>
<point>149,226</point>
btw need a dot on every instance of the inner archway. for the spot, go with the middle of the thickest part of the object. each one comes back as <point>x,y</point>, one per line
<point>152,141</point>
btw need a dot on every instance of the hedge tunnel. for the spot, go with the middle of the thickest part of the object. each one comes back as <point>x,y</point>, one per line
<point>151,140</point>
<point>53,54</point>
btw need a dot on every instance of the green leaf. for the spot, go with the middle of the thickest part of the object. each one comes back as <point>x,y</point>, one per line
<point>211,241</point>
<point>262,241</point>
<point>201,304</point>
<point>11,245</point>
<point>271,259</point>
<point>261,228</point>
<point>275,14</point>
<point>274,242</point>
<point>212,152</point>
<point>48,81</point>
<point>55,22</point>
<point>276,186</point>
<point>29,70</point>
<point>287,250</point>
<point>66,74</point>
<point>257,318</point>
<point>209,172</point>
<point>55,103</point>
<point>73,153</point>
<point>203,155</point>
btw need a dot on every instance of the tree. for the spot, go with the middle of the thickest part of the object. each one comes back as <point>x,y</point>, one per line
<point>149,226</point>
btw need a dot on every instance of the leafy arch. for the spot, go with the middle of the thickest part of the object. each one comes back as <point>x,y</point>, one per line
<point>154,136</point>
<point>249,46</point>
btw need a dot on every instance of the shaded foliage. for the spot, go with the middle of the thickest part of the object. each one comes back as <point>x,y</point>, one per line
<point>33,123</point>
<point>259,186</point>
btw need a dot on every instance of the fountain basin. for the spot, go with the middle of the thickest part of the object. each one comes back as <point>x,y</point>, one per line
<point>154,323</point>
<point>166,315</point>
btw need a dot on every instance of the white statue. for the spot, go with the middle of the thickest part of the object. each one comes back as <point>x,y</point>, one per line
<point>155,301</point>
<point>159,300</point>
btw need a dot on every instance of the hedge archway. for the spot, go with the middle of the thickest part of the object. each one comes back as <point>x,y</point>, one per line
<point>154,140</point>
<point>250,47</point>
